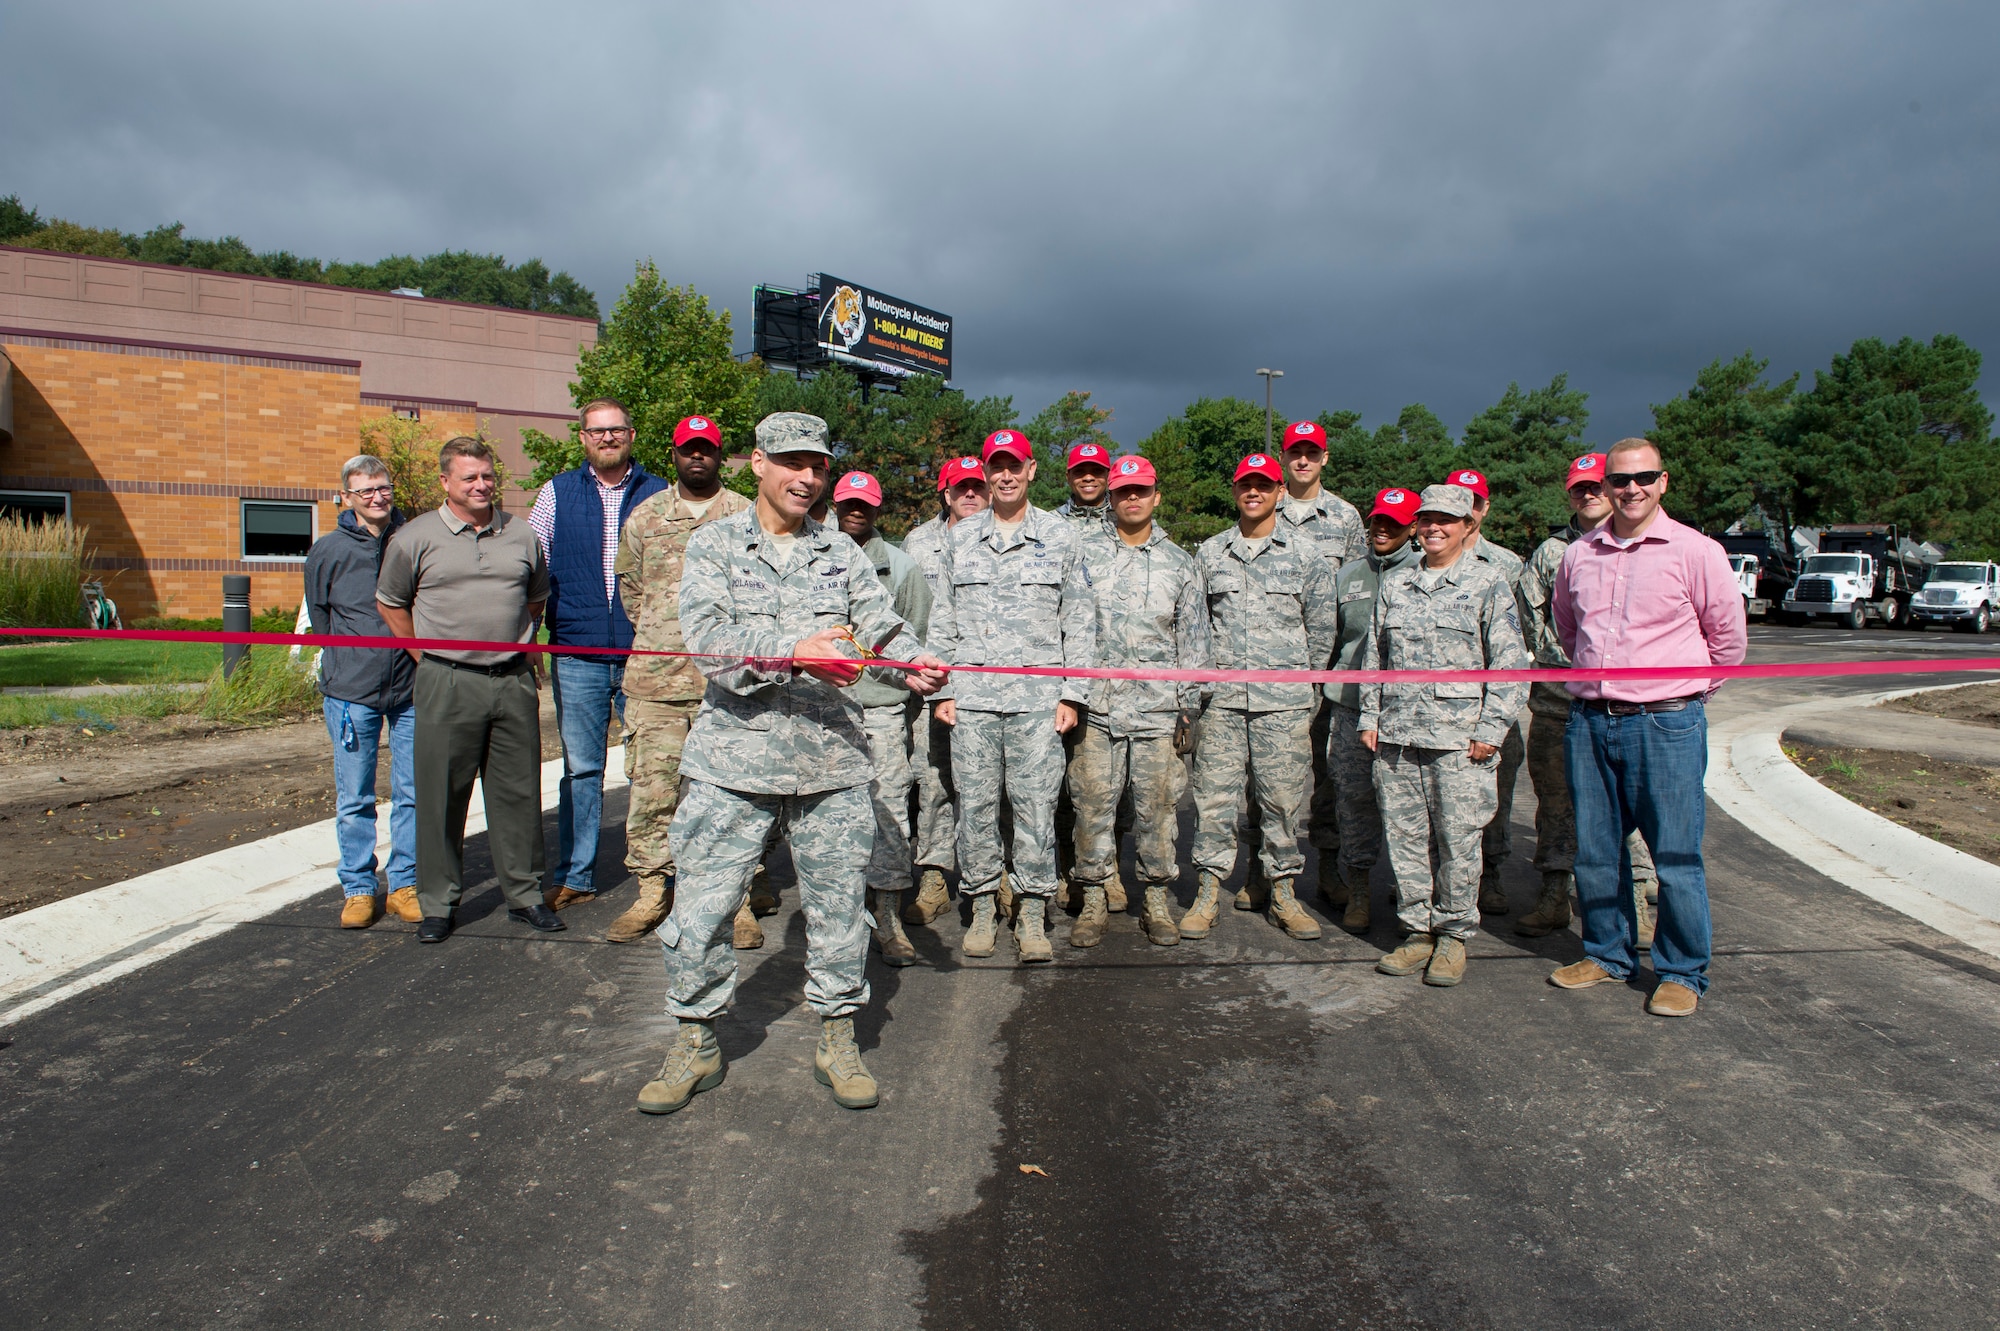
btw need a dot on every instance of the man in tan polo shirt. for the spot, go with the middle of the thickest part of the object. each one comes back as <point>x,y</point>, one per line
<point>470,572</point>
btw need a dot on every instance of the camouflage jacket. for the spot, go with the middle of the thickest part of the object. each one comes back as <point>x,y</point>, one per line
<point>1533,595</point>
<point>1460,618</point>
<point>651,547</point>
<point>1087,519</point>
<point>1268,609</point>
<point>1355,587</point>
<point>1331,521</point>
<point>926,544</point>
<point>910,598</point>
<point>1152,613</point>
<point>1020,600</point>
<point>764,728</point>
<point>1504,561</point>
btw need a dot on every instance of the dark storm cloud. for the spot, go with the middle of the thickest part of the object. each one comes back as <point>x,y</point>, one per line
<point>1393,203</point>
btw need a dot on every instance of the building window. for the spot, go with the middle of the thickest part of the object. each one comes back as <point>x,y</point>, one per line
<point>406,413</point>
<point>34,507</point>
<point>277,531</point>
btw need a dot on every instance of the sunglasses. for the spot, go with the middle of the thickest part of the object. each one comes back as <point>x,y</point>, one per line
<point>1618,480</point>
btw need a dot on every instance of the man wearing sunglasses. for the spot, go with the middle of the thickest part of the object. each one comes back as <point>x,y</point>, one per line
<point>1643,590</point>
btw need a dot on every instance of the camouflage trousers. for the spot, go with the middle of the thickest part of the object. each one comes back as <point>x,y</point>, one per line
<point>719,838</point>
<point>1555,814</point>
<point>889,747</point>
<point>1269,756</point>
<point>1018,755</point>
<point>1434,803</point>
<point>654,735</point>
<point>1102,771</point>
<point>1323,823</point>
<point>936,825</point>
<point>1353,781</point>
<point>1496,843</point>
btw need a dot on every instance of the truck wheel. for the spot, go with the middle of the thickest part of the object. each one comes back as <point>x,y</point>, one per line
<point>1982,620</point>
<point>1856,618</point>
<point>1893,614</point>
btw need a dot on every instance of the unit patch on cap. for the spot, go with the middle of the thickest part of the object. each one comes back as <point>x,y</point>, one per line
<point>1303,427</point>
<point>1257,460</point>
<point>1003,438</point>
<point>855,482</point>
<point>1588,462</point>
<point>1087,451</point>
<point>1127,467</point>
<point>697,423</point>
<point>1393,497</point>
<point>1468,478</point>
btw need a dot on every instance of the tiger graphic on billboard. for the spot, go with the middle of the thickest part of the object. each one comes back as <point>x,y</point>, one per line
<point>841,320</point>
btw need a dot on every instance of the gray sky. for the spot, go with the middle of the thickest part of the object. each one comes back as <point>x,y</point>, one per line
<point>1392,202</point>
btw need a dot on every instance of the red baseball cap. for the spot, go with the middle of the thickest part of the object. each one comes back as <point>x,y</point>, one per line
<point>697,427</point>
<point>1589,467</point>
<point>1261,464</point>
<point>1130,472</point>
<point>1007,441</point>
<point>1304,432</point>
<point>1088,455</point>
<point>1400,506</point>
<point>1468,479</point>
<point>960,469</point>
<point>859,485</point>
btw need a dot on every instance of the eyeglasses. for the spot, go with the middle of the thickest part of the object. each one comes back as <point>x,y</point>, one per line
<point>1588,489</point>
<point>374,492</point>
<point>608,432</point>
<point>1618,480</point>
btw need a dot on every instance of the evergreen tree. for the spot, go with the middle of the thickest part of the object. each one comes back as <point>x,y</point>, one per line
<point>1726,443</point>
<point>1524,444</point>
<point>1070,420</point>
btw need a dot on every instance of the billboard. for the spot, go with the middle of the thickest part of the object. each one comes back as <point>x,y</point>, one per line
<point>866,327</point>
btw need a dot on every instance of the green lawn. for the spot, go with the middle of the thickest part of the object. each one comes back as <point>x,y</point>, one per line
<point>103,662</point>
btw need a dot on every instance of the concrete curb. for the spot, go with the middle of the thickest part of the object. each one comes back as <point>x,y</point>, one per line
<point>57,951</point>
<point>1753,781</point>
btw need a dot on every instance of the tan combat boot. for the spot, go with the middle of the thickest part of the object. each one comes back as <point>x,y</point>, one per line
<point>749,934</point>
<point>1005,895</point>
<point>358,912</point>
<point>1332,884</point>
<point>655,902</point>
<point>403,904</point>
<point>1255,894</point>
<point>1355,921</point>
<point>980,934</point>
<point>1031,938</point>
<point>1114,893</point>
<point>1200,917</point>
<point>1447,966</point>
<point>1551,910</point>
<point>763,901</point>
<point>1288,914</point>
<point>1088,931</point>
<point>1411,957</point>
<point>890,939</point>
<point>1643,915</point>
<point>837,1065</point>
<point>1159,918</point>
<point>931,901</point>
<point>693,1064</point>
<point>1067,895</point>
<point>1492,897</point>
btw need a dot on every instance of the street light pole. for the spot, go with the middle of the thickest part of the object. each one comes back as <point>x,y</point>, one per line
<point>1269,375</point>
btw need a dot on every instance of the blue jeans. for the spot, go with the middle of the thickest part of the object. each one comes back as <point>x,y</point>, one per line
<point>357,737</point>
<point>1642,771</point>
<point>586,689</point>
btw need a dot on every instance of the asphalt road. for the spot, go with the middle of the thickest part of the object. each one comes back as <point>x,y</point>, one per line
<point>291,1125</point>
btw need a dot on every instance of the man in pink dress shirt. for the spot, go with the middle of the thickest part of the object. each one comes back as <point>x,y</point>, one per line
<point>1643,590</point>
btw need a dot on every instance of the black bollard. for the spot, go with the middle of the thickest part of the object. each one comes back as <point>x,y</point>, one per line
<point>235,619</point>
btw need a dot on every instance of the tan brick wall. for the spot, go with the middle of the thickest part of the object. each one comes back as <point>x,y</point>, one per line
<point>120,425</point>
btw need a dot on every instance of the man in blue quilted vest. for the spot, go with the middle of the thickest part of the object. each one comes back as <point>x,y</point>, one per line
<point>577,518</point>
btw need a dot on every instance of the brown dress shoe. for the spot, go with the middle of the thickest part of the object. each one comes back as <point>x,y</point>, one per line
<point>404,906</point>
<point>569,896</point>
<point>1673,1000</point>
<point>1581,975</point>
<point>359,912</point>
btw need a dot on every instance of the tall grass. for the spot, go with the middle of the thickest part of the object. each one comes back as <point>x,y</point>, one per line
<point>266,686</point>
<point>41,574</point>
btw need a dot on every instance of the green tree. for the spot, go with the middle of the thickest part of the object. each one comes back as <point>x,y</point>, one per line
<point>665,354</point>
<point>1070,420</point>
<point>69,238</point>
<point>17,220</point>
<point>1195,455</point>
<point>1414,450</point>
<point>1524,444</point>
<point>1727,445</point>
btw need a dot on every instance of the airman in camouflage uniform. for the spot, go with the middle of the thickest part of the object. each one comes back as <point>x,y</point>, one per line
<point>1270,607</point>
<point>1342,535</point>
<point>1019,597</point>
<point>1353,763</point>
<point>1088,509</point>
<point>662,692</point>
<point>1436,745</point>
<point>768,596</point>
<point>1497,842</point>
<point>1152,614</point>
<point>1548,707</point>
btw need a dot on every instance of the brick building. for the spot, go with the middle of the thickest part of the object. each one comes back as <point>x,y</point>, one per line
<point>195,422</point>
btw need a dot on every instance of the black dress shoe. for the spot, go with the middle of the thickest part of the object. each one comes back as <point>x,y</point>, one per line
<point>434,929</point>
<point>538,917</point>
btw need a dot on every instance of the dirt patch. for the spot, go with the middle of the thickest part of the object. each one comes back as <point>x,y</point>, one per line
<point>1976,704</point>
<point>1952,803</point>
<point>81,807</point>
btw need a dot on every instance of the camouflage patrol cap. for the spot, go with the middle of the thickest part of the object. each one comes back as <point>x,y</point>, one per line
<point>1451,500</point>
<point>792,432</point>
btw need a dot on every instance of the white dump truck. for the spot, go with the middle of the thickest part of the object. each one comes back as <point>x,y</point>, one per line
<point>1862,572</point>
<point>1960,594</point>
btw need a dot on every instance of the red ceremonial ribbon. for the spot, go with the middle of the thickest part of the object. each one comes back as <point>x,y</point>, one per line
<point>1538,674</point>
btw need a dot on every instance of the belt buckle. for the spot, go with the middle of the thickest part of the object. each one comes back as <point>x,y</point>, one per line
<point>1617,708</point>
